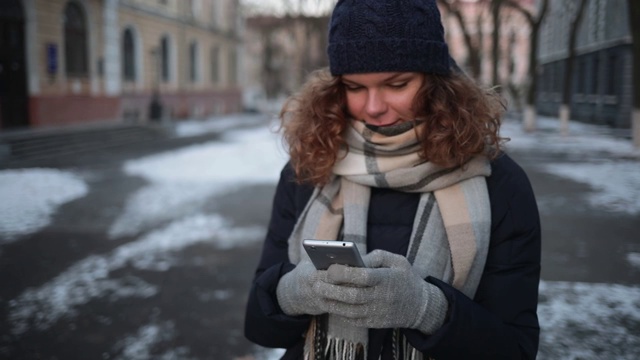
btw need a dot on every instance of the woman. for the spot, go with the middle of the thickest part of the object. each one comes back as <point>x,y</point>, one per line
<point>398,151</point>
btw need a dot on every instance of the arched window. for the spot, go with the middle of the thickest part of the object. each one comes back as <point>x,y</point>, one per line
<point>128,56</point>
<point>164,59</point>
<point>233,67</point>
<point>75,40</point>
<point>215,64</point>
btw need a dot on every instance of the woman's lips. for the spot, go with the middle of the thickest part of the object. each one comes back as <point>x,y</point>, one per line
<point>388,124</point>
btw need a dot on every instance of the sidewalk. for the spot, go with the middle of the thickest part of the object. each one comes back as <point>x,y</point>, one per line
<point>149,250</point>
<point>587,186</point>
<point>80,144</point>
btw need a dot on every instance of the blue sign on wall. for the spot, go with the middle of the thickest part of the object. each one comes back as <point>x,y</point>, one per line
<point>52,58</point>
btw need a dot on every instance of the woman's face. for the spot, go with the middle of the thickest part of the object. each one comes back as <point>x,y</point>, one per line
<point>382,99</point>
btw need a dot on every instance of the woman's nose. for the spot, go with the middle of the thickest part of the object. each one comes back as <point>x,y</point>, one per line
<point>376,105</point>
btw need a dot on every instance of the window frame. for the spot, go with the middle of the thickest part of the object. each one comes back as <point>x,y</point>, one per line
<point>75,32</point>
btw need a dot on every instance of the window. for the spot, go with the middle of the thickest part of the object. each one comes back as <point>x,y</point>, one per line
<point>545,85</point>
<point>75,40</point>
<point>128,56</point>
<point>582,74</point>
<point>164,59</point>
<point>215,63</point>
<point>611,76</point>
<point>216,14</point>
<point>233,67</point>
<point>193,61</point>
<point>595,75</point>
<point>196,7</point>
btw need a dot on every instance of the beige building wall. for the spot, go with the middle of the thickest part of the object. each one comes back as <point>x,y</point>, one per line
<point>103,94</point>
<point>49,16</point>
<point>203,24</point>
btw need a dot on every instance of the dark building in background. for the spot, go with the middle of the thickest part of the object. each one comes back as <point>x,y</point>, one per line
<point>602,85</point>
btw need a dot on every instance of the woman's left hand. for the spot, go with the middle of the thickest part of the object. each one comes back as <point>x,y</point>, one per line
<point>385,294</point>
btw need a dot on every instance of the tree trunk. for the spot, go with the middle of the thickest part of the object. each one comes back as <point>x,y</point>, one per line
<point>530,113</point>
<point>634,25</point>
<point>565,108</point>
<point>495,43</point>
<point>474,50</point>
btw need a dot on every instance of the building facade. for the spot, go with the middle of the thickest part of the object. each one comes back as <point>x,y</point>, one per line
<point>601,84</point>
<point>280,53</point>
<point>84,61</point>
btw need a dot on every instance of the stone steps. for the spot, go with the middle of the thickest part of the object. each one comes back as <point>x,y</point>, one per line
<point>39,144</point>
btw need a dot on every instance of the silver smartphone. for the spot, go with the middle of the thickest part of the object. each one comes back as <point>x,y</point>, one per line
<point>323,253</point>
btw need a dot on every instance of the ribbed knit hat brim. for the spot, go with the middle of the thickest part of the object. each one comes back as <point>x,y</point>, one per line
<point>389,55</point>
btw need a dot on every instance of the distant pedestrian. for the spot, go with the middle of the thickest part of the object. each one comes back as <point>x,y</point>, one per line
<point>395,149</point>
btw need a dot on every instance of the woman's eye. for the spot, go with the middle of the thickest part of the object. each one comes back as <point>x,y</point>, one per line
<point>352,87</point>
<point>398,85</point>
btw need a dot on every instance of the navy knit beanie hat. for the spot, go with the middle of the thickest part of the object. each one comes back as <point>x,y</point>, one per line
<point>387,36</point>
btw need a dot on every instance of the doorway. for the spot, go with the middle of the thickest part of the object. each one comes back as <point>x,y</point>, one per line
<point>14,97</point>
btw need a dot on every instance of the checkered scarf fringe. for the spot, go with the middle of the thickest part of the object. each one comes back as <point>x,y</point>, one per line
<point>450,236</point>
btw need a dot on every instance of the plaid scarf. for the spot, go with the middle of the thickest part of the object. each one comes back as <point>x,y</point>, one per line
<point>450,235</point>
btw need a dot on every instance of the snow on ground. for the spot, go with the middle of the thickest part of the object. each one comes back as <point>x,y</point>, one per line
<point>31,196</point>
<point>597,156</point>
<point>186,128</point>
<point>178,180</point>
<point>89,278</point>
<point>584,320</point>
<point>588,321</point>
<point>187,177</point>
<point>616,184</point>
<point>579,320</point>
<point>633,259</point>
<point>139,346</point>
<point>583,140</point>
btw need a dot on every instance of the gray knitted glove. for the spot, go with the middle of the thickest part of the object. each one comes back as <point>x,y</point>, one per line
<point>386,294</point>
<point>295,290</point>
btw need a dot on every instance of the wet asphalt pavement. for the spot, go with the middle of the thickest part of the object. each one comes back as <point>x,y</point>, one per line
<point>197,308</point>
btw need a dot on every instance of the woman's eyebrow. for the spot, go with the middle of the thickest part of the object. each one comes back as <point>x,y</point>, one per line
<point>396,76</point>
<point>393,77</point>
<point>347,81</point>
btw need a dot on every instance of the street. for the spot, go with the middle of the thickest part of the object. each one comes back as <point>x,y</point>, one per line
<point>148,252</point>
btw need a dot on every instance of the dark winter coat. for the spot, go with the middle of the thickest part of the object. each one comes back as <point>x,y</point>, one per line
<point>499,323</point>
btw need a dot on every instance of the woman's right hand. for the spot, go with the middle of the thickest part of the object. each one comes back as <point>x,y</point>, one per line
<point>295,291</point>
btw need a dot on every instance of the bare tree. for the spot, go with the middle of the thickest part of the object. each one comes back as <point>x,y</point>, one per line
<point>513,88</point>
<point>292,41</point>
<point>472,41</point>
<point>634,25</point>
<point>534,21</point>
<point>303,18</point>
<point>565,107</point>
<point>496,6</point>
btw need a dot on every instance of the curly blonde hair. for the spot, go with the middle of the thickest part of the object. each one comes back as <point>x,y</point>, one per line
<point>462,120</point>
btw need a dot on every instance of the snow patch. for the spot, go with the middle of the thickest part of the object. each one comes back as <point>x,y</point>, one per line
<point>89,278</point>
<point>187,128</point>
<point>30,197</point>
<point>588,321</point>
<point>251,156</point>
<point>612,192</point>
<point>140,346</point>
<point>186,179</point>
<point>634,259</point>
<point>582,139</point>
